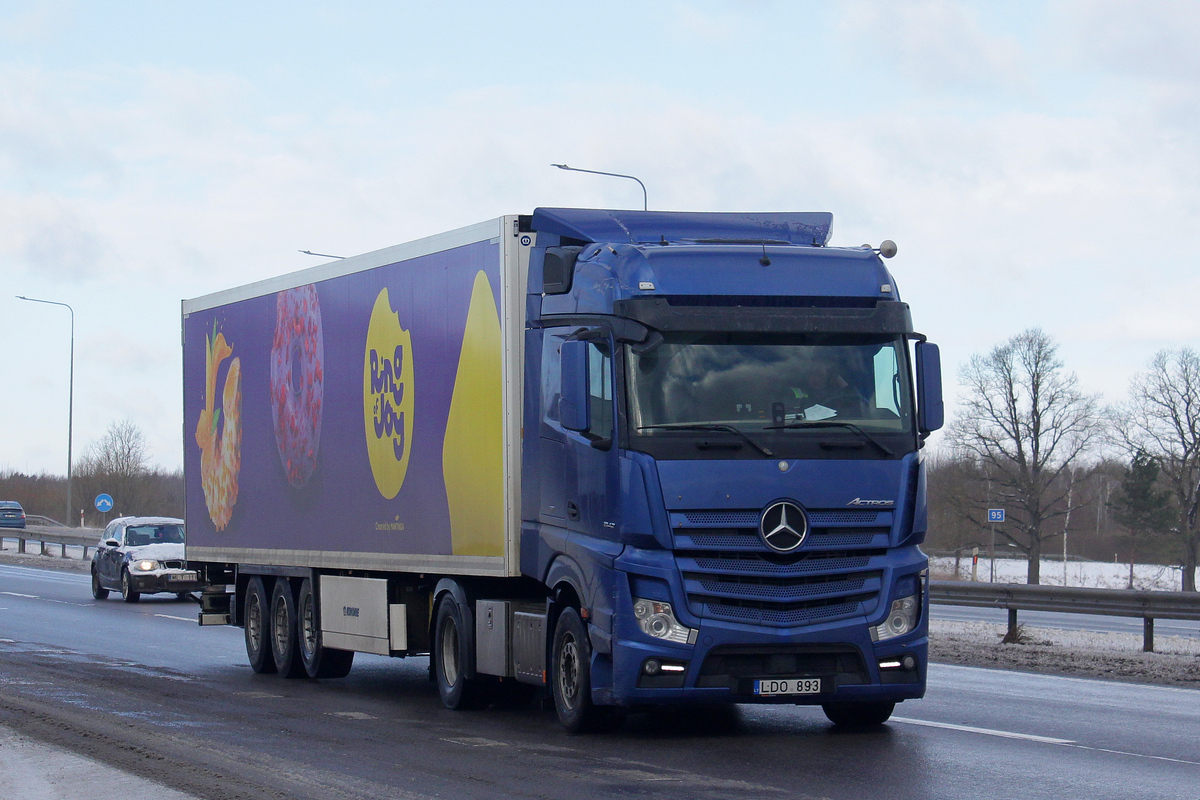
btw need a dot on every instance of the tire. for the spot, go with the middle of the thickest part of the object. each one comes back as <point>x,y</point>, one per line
<point>571,679</point>
<point>285,647</point>
<point>319,661</point>
<point>98,591</point>
<point>127,592</point>
<point>858,715</point>
<point>257,624</point>
<point>458,693</point>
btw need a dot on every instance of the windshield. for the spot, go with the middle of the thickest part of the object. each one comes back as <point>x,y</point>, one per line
<point>140,535</point>
<point>760,382</point>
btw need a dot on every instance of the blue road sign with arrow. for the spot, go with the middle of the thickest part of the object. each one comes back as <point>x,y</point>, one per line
<point>104,503</point>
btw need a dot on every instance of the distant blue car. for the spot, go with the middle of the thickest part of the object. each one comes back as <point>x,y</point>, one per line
<point>11,514</point>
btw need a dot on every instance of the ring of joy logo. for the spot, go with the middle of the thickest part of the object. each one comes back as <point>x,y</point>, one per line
<point>388,397</point>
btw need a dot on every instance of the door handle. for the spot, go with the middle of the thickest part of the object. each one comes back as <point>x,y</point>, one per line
<point>572,511</point>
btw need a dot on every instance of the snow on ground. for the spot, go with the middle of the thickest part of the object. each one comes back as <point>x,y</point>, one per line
<point>1085,654</point>
<point>1090,574</point>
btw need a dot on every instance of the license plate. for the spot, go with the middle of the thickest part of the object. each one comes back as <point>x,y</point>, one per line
<point>182,576</point>
<point>788,686</point>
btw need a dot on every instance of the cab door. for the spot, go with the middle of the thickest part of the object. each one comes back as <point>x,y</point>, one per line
<point>589,414</point>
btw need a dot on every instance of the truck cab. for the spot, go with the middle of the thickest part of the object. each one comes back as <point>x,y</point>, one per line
<point>722,445</point>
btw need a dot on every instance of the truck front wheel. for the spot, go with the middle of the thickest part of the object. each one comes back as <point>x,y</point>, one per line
<point>858,715</point>
<point>257,623</point>
<point>449,654</point>
<point>319,661</point>
<point>571,681</point>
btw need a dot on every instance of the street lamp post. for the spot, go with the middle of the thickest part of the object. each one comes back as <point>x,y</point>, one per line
<point>70,396</point>
<point>645,202</point>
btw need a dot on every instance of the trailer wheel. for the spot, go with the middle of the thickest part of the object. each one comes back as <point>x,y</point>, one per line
<point>127,592</point>
<point>449,654</point>
<point>98,591</point>
<point>257,625</point>
<point>319,661</point>
<point>571,680</point>
<point>858,715</point>
<point>285,648</point>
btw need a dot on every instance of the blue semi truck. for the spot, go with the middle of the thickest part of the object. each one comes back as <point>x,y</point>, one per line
<point>633,458</point>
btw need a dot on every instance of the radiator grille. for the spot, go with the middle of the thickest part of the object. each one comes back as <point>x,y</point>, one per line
<point>730,574</point>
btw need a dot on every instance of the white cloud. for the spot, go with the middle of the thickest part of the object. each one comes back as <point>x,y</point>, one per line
<point>938,43</point>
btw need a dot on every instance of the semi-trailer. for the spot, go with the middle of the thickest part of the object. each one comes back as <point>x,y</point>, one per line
<point>635,458</point>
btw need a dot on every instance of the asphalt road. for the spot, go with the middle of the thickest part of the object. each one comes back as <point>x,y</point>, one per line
<point>141,687</point>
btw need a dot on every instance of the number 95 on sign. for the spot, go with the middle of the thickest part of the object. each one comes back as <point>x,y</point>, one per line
<point>995,515</point>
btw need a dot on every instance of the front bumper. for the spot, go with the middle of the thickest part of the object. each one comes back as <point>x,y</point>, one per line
<point>165,580</point>
<point>726,662</point>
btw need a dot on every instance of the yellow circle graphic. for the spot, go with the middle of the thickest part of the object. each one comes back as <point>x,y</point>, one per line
<point>388,397</point>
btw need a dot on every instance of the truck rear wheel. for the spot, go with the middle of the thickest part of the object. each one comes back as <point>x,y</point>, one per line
<point>285,648</point>
<point>257,625</point>
<point>319,661</point>
<point>858,715</point>
<point>449,654</point>
<point>571,679</point>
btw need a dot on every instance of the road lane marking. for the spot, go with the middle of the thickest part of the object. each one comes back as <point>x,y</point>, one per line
<point>1042,739</point>
<point>985,731</point>
<point>182,619</point>
<point>350,714</point>
<point>476,741</point>
<point>18,594</point>
<point>1134,755</point>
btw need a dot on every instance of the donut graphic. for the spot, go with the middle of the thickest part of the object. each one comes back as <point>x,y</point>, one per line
<point>297,381</point>
<point>219,431</point>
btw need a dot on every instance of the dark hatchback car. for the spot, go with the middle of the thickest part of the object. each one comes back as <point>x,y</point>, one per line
<point>142,555</point>
<point>11,514</point>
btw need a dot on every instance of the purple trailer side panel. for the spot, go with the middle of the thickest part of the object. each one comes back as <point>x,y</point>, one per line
<point>361,414</point>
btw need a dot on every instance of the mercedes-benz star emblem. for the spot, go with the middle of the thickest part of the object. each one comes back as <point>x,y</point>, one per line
<point>783,526</point>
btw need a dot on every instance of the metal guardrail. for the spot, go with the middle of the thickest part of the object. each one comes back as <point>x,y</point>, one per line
<point>1070,600</point>
<point>48,535</point>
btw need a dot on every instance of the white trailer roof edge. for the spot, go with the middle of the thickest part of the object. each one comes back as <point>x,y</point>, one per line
<point>460,237</point>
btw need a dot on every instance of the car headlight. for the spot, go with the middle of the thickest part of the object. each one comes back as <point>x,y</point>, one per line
<point>656,619</point>
<point>901,618</point>
<point>145,565</point>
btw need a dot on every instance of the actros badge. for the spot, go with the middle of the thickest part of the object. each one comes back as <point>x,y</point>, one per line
<point>783,526</point>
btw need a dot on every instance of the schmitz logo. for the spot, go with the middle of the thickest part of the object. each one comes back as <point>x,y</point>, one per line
<point>388,397</point>
<point>858,501</point>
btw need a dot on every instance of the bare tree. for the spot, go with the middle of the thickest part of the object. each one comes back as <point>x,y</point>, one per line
<point>1027,424</point>
<point>1162,419</point>
<point>117,464</point>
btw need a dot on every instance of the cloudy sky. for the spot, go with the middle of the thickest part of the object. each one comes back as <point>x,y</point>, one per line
<point>1038,163</point>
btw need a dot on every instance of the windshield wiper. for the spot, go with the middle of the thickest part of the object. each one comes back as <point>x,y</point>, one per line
<point>835,424</point>
<point>694,426</point>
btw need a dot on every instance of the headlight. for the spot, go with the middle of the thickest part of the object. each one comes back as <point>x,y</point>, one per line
<point>145,565</point>
<point>656,619</point>
<point>901,619</point>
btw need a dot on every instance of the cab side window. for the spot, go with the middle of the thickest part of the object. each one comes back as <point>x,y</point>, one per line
<point>600,388</point>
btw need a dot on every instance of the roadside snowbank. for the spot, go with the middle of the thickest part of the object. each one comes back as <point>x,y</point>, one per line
<point>1088,574</point>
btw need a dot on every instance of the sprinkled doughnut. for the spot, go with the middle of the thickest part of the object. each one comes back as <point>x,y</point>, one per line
<point>297,381</point>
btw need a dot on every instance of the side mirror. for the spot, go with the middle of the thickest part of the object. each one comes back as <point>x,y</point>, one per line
<point>112,543</point>
<point>573,394</point>
<point>930,411</point>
